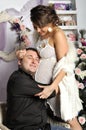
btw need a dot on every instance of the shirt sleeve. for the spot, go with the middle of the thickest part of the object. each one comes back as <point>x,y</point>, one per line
<point>23,86</point>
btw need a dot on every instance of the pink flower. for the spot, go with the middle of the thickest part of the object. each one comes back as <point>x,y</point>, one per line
<point>21,31</point>
<point>24,37</point>
<point>22,27</point>
<point>80,85</point>
<point>77,71</point>
<point>79,51</point>
<point>84,43</point>
<point>16,20</point>
<point>82,40</point>
<point>81,120</point>
<point>83,56</point>
<point>26,40</point>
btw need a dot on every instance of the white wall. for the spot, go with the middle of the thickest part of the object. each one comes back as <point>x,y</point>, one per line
<point>17,4</point>
<point>81,13</point>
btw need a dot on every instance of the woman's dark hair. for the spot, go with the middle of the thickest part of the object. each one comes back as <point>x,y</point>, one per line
<point>42,15</point>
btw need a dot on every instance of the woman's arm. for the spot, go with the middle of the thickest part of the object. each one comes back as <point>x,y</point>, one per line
<point>61,48</point>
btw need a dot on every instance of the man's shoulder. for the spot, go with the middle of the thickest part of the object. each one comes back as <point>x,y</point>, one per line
<point>20,75</point>
<point>16,72</point>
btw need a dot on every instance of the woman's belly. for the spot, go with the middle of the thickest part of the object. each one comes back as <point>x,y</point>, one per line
<point>45,70</point>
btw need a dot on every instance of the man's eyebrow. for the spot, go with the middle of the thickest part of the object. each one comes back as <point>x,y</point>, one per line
<point>32,56</point>
<point>28,55</point>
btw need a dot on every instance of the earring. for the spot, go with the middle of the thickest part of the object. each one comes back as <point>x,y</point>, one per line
<point>49,29</point>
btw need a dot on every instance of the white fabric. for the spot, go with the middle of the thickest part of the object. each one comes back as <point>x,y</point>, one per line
<point>70,103</point>
<point>67,62</point>
<point>47,62</point>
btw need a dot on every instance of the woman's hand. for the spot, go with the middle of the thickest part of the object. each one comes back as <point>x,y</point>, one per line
<point>47,91</point>
<point>20,53</point>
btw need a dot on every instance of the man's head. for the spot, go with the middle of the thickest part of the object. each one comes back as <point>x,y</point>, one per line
<point>30,61</point>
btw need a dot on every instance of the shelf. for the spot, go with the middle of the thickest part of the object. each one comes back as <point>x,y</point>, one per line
<point>68,27</point>
<point>58,1</point>
<point>66,11</point>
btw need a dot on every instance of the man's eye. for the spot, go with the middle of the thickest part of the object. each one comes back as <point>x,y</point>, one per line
<point>29,57</point>
<point>37,60</point>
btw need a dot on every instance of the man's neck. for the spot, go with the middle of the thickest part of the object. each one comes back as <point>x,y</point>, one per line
<point>28,72</point>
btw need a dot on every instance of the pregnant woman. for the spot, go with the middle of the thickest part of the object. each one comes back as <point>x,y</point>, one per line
<point>57,65</point>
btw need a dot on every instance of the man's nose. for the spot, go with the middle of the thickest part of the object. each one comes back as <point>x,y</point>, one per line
<point>33,60</point>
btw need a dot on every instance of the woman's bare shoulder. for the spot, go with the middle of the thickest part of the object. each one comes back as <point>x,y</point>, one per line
<point>59,33</point>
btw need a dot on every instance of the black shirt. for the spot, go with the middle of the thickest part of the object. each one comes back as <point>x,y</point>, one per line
<point>23,108</point>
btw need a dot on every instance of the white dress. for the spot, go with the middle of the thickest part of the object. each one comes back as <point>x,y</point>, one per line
<point>70,103</point>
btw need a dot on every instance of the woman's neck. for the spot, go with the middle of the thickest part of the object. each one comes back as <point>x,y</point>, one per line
<point>46,36</point>
<point>49,34</point>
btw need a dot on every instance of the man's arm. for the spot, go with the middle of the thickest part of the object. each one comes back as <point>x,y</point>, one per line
<point>53,94</point>
<point>21,85</point>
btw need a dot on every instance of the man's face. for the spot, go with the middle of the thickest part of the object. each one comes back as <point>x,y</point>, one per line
<point>30,61</point>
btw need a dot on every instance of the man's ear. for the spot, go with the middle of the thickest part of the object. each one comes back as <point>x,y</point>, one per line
<point>19,62</point>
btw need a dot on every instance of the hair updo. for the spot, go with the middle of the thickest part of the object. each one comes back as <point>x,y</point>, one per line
<point>42,15</point>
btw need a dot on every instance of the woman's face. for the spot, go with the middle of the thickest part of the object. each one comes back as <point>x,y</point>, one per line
<point>42,31</point>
